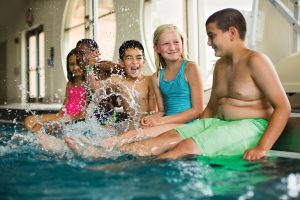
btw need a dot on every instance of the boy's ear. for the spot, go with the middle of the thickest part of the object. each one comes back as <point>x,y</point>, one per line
<point>121,62</point>
<point>233,33</point>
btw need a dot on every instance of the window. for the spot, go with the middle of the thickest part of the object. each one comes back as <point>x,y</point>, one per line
<point>79,24</point>
<point>35,40</point>
<point>107,29</point>
<point>200,51</point>
<point>160,12</point>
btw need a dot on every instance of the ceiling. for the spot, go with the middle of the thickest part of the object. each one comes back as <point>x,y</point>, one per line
<point>10,12</point>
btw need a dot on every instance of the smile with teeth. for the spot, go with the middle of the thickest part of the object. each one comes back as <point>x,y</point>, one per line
<point>134,70</point>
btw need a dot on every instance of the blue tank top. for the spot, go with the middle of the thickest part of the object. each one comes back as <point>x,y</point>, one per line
<point>176,93</point>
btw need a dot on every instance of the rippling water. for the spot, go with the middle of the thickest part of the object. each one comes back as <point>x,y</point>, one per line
<point>29,172</point>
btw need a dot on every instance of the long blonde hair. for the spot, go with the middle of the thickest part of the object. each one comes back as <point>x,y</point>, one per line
<point>159,60</point>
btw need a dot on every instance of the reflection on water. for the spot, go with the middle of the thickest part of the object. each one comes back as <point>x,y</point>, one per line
<point>29,172</point>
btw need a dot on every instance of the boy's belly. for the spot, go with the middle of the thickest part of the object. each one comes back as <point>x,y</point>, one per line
<point>233,109</point>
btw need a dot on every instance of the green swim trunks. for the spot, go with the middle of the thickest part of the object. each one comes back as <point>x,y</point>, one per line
<point>216,137</point>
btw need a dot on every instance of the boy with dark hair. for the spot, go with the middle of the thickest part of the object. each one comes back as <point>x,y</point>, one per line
<point>244,116</point>
<point>136,89</point>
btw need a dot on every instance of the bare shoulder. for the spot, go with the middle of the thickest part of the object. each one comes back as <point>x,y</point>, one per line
<point>191,65</point>
<point>147,79</point>
<point>257,59</point>
<point>191,68</point>
<point>219,65</point>
<point>155,76</point>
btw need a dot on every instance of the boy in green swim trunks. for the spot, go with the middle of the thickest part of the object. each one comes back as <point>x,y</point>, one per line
<point>247,110</point>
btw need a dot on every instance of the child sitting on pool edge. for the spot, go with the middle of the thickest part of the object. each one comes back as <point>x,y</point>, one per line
<point>75,98</point>
<point>132,58</point>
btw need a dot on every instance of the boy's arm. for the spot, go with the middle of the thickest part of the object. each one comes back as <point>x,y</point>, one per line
<point>265,76</point>
<point>212,105</point>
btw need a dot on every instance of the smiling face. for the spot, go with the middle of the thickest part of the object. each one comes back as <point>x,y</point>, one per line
<point>169,45</point>
<point>133,62</point>
<point>217,39</point>
<point>74,68</point>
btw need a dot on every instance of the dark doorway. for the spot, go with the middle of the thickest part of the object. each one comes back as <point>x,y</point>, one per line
<point>3,77</point>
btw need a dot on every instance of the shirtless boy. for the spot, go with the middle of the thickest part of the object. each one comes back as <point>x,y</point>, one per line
<point>136,89</point>
<point>247,110</point>
<point>132,58</point>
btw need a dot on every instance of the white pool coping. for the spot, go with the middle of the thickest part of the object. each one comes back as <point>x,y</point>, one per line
<point>283,154</point>
<point>32,106</point>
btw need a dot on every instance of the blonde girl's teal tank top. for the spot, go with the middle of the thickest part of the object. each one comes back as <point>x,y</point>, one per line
<point>176,93</point>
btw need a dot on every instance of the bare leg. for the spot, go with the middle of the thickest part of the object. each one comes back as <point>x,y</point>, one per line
<point>153,146</point>
<point>37,127</point>
<point>31,122</point>
<point>50,142</point>
<point>84,150</point>
<point>184,148</point>
<point>134,135</point>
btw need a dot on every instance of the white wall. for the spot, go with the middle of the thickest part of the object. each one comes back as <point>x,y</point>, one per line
<point>274,34</point>
<point>49,14</point>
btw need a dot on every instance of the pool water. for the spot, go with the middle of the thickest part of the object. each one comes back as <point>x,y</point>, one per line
<point>29,172</point>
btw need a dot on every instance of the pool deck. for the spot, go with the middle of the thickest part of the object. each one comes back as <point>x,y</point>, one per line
<point>16,112</point>
<point>289,141</point>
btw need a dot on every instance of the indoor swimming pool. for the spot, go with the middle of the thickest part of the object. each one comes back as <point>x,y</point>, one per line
<point>29,172</point>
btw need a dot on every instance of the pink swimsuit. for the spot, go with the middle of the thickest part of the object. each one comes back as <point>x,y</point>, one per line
<point>76,100</point>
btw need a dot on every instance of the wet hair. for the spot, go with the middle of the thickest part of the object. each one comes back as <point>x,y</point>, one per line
<point>130,44</point>
<point>79,60</point>
<point>89,42</point>
<point>228,17</point>
<point>159,60</point>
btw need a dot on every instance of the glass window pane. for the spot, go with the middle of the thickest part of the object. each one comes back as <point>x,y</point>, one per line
<point>42,65</point>
<point>107,29</point>
<point>32,67</point>
<point>105,7</point>
<point>77,16</point>
<point>74,35</point>
<point>160,12</point>
<point>107,36</point>
<point>212,6</point>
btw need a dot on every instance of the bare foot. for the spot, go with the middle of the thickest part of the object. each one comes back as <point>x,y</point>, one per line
<point>51,143</point>
<point>83,149</point>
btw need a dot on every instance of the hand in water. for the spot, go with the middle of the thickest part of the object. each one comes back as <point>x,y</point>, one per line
<point>254,154</point>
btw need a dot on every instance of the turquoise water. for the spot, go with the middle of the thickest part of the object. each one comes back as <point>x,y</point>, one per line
<point>29,172</point>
